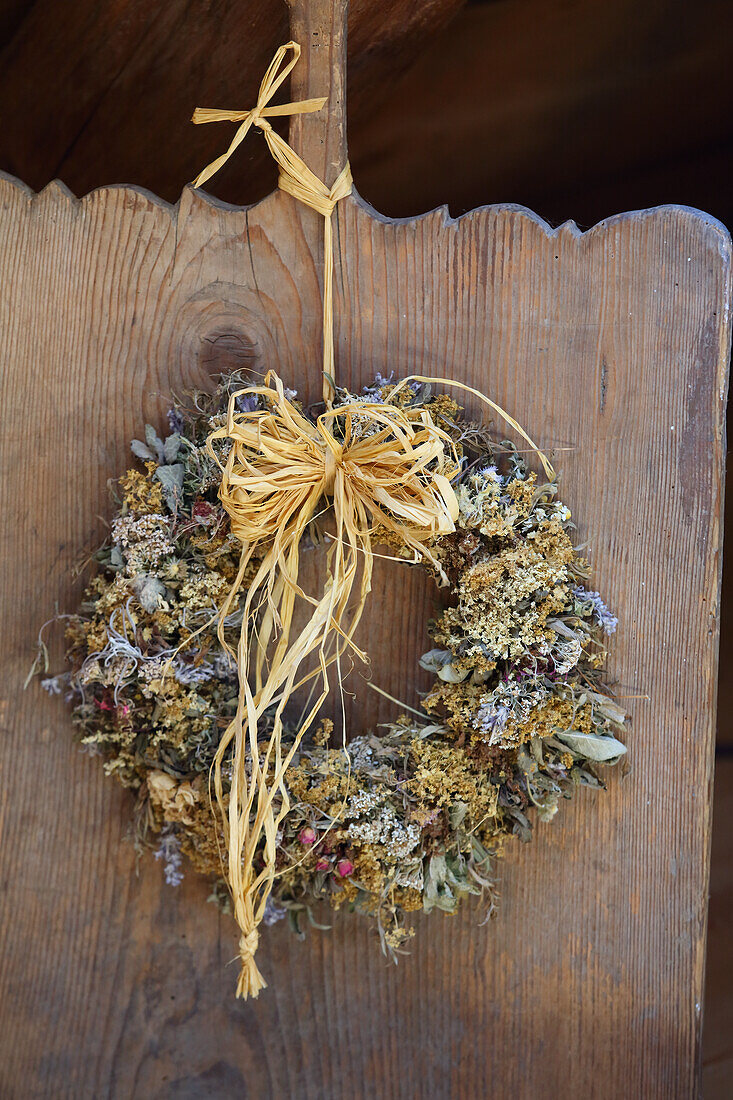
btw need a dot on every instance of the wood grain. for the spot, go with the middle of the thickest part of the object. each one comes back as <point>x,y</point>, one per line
<point>611,348</point>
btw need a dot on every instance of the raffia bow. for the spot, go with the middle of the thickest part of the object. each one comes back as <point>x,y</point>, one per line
<point>380,467</point>
<point>280,467</point>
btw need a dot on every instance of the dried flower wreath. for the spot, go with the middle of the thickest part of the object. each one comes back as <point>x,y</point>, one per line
<point>517,718</point>
<point>173,693</point>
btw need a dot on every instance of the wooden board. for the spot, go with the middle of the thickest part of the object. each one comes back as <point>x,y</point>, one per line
<point>611,347</point>
<point>717,1048</point>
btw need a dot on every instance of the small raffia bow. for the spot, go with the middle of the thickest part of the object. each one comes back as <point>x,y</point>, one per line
<point>384,468</point>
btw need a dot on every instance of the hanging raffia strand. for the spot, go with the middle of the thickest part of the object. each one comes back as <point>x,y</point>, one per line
<point>380,466</point>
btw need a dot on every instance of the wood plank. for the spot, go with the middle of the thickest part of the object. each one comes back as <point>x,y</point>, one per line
<point>717,1043</point>
<point>725,688</point>
<point>611,345</point>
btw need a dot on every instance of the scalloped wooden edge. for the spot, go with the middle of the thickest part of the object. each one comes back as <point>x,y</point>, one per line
<point>56,190</point>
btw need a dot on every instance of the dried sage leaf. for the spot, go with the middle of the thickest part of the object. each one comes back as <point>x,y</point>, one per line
<point>593,747</point>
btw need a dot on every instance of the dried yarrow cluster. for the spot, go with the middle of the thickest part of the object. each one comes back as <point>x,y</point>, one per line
<point>517,719</point>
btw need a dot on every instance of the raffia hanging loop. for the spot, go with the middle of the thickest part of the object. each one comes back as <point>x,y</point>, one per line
<point>295,176</point>
<point>377,465</point>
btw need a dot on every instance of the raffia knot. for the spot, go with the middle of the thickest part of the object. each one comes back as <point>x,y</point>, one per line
<point>250,981</point>
<point>332,461</point>
<point>248,944</point>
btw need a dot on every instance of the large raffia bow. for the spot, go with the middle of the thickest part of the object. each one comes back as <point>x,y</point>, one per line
<point>381,468</point>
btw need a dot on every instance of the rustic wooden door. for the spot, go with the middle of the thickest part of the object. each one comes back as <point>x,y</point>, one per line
<point>611,348</point>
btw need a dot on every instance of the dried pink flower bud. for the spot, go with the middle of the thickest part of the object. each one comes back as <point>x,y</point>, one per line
<point>344,867</point>
<point>307,835</point>
<point>322,865</point>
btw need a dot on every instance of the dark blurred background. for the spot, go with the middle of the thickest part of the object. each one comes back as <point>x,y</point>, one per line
<point>578,109</point>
